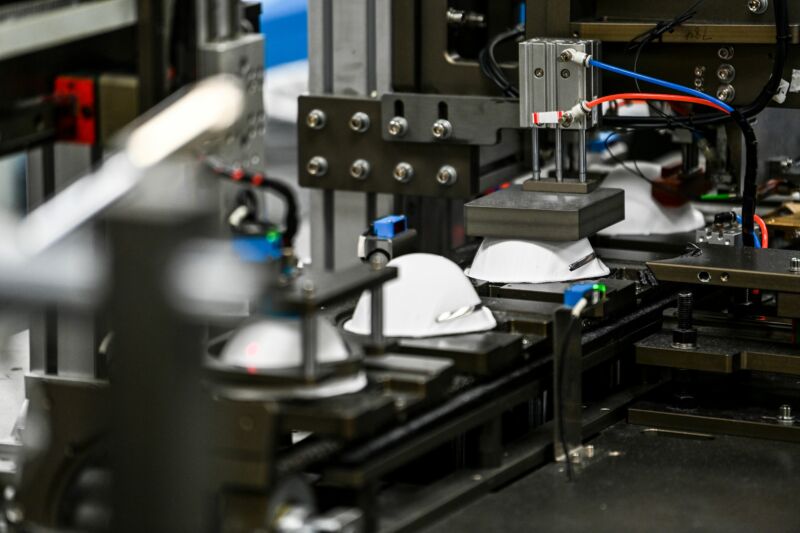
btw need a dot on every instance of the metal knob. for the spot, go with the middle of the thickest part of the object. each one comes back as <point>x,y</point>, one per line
<point>447,176</point>
<point>360,169</point>
<point>359,122</point>
<point>316,119</point>
<point>442,129</point>
<point>403,172</point>
<point>317,166</point>
<point>398,127</point>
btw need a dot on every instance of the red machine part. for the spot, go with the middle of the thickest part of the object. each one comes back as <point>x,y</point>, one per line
<point>80,126</point>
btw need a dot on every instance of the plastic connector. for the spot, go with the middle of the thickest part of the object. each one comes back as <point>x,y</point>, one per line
<point>574,56</point>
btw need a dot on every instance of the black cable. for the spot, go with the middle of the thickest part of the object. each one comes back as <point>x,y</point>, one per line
<point>488,62</point>
<point>291,219</point>
<point>782,40</point>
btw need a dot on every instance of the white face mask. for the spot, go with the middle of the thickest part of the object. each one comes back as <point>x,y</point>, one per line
<point>518,261</point>
<point>431,297</point>
<point>276,344</point>
<point>643,214</point>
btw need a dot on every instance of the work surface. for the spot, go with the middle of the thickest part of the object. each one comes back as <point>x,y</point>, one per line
<point>640,481</point>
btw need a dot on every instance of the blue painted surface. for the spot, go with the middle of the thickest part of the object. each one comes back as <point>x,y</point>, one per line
<point>257,249</point>
<point>284,24</point>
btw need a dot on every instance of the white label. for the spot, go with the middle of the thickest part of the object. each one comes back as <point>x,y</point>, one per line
<point>549,117</point>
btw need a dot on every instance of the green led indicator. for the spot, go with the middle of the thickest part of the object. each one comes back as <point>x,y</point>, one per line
<point>599,287</point>
<point>273,236</point>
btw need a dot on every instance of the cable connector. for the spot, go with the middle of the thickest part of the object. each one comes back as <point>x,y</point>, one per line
<point>571,55</point>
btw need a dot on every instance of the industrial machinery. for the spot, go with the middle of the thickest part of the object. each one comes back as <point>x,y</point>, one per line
<point>554,279</point>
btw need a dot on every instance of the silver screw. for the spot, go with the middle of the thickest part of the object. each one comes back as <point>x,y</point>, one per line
<point>565,74</point>
<point>539,72</point>
<point>317,166</point>
<point>567,119</point>
<point>398,127</point>
<point>795,264</point>
<point>442,129</point>
<point>725,53</point>
<point>785,414</point>
<point>566,56</point>
<point>447,176</point>
<point>726,73</point>
<point>316,119</point>
<point>757,7</point>
<point>360,169</point>
<point>403,172</point>
<point>699,82</point>
<point>699,71</point>
<point>726,93</point>
<point>359,122</point>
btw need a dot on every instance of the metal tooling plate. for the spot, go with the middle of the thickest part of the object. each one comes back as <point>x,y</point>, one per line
<point>424,377</point>
<point>641,480</point>
<point>712,354</point>
<point>350,417</point>
<point>743,268</point>
<point>330,287</point>
<point>523,316</point>
<point>569,186</point>
<point>341,146</point>
<point>516,214</point>
<point>476,353</point>
<point>475,119</point>
<point>719,354</point>
<point>788,305</point>
<point>746,421</point>
<point>620,293</point>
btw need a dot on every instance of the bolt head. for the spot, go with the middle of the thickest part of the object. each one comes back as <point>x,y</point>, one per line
<point>726,73</point>
<point>539,72</point>
<point>398,127</point>
<point>726,93</point>
<point>447,176</point>
<point>565,74</point>
<point>317,166</point>
<point>757,7</point>
<point>567,119</point>
<point>566,56</point>
<point>403,172</point>
<point>785,414</point>
<point>316,119</point>
<point>359,122</point>
<point>725,53</point>
<point>699,71</point>
<point>360,169</point>
<point>442,129</point>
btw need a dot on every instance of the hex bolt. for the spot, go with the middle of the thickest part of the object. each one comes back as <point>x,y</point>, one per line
<point>794,264</point>
<point>685,335</point>
<point>757,7</point>
<point>398,127</point>
<point>403,172</point>
<point>785,415</point>
<point>317,166</point>
<point>447,176</point>
<point>442,129</point>
<point>359,122</point>
<point>726,73</point>
<point>316,119</point>
<point>360,169</point>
